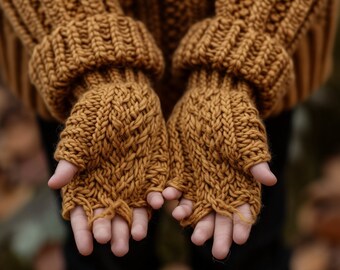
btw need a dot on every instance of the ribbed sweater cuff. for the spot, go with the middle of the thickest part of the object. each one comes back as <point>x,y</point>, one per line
<point>100,41</point>
<point>233,47</point>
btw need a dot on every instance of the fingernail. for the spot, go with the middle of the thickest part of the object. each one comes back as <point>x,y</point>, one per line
<point>224,261</point>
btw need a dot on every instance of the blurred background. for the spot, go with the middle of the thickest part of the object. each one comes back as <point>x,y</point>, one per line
<point>32,232</point>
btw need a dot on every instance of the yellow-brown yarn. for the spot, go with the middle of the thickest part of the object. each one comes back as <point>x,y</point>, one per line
<point>116,135</point>
<point>68,38</point>
<point>240,40</point>
<point>216,135</point>
<point>87,56</point>
<point>92,56</point>
<point>316,34</point>
<point>240,66</point>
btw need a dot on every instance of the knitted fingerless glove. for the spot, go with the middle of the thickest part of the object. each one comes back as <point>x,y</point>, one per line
<point>215,137</point>
<point>88,56</point>
<point>116,135</point>
<point>239,65</point>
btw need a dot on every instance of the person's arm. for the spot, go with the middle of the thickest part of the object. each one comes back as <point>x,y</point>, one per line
<point>239,65</point>
<point>253,41</point>
<point>69,40</point>
<point>93,66</point>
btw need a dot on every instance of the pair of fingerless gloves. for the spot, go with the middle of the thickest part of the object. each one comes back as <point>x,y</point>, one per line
<point>94,67</point>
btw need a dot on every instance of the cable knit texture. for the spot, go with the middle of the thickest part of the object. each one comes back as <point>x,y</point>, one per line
<point>116,135</point>
<point>239,65</point>
<point>101,40</point>
<point>87,56</point>
<point>92,64</point>
<point>68,38</point>
<point>252,40</point>
<point>215,137</point>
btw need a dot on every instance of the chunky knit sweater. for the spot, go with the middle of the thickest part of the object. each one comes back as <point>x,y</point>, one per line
<point>93,65</point>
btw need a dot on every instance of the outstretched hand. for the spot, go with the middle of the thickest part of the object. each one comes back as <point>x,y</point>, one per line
<point>224,230</point>
<point>103,230</point>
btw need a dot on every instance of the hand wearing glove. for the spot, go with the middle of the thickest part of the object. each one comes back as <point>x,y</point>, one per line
<point>92,65</point>
<point>239,66</point>
<point>116,137</point>
<point>217,144</point>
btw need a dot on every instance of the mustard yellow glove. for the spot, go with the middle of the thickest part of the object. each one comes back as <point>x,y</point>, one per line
<point>216,136</point>
<point>117,138</point>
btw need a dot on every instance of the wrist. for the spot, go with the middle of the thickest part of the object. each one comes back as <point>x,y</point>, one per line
<point>63,57</point>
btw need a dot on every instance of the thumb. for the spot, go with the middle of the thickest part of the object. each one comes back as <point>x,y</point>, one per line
<point>262,174</point>
<point>63,174</point>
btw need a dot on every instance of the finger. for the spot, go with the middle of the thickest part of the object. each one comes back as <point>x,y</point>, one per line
<point>262,174</point>
<point>204,230</point>
<point>139,224</point>
<point>170,193</point>
<point>155,199</point>
<point>62,175</point>
<point>120,236</point>
<point>81,231</point>
<point>242,228</point>
<point>222,237</point>
<point>183,210</point>
<point>101,228</point>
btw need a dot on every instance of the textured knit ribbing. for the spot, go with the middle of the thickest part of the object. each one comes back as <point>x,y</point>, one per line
<point>92,43</point>
<point>238,62</point>
<point>67,39</point>
<point>253,40</point>
<point>13,70</point>
<point>222,44</point>
<point>116,135</point>
<point>89,57</point>
<point>153,17</point>
<point>17,13</point>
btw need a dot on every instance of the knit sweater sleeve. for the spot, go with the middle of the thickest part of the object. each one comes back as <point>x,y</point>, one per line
<point>239,65</point>
<point>252,40</point>
<point>93,66</point>
<point>69,39</point>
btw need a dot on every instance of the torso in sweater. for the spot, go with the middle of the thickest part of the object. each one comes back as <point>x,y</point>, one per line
<point>168,21</point>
